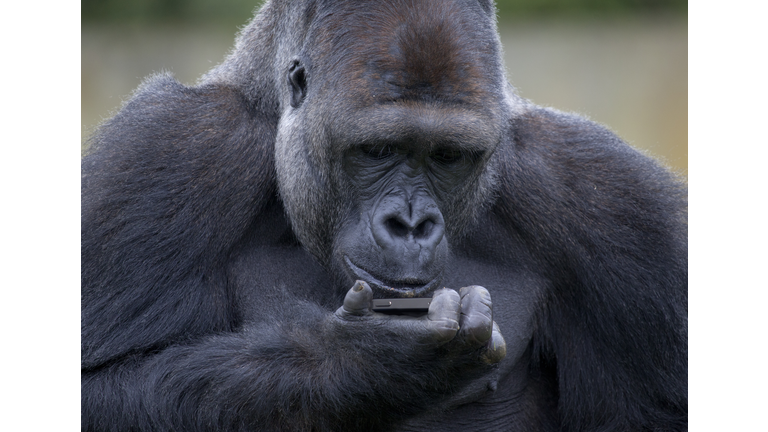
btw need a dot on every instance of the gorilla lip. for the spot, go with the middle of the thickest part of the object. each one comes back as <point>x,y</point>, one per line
<point>387,289</point>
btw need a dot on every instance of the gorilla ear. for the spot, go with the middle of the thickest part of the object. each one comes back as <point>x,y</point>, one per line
<point>297,78</point>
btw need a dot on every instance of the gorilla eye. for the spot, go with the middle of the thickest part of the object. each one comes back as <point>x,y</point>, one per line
<point>447,156</point>
<point>377,152</point>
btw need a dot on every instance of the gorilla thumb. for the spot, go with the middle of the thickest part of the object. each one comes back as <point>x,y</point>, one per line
<point>357,301</point>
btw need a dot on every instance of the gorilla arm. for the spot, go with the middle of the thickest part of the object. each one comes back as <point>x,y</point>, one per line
<point>613,242</point>
<point>349,370</point>
<point>168,187</point>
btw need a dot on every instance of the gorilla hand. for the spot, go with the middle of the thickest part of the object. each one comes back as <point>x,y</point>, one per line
<point>459,322</point>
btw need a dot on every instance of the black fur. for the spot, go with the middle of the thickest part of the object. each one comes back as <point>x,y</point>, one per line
<point>216,220</point>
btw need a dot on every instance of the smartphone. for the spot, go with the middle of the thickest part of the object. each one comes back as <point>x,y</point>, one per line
<point>401,305</point>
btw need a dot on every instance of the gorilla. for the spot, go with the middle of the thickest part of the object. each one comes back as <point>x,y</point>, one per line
<point>236,233</point>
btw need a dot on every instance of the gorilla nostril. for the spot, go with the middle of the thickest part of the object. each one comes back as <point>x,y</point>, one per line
<point>397,228</point>
<point>423,229</point>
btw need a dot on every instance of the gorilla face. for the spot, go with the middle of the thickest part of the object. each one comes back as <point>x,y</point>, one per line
<point>405,181</point>
<point>394,233</point>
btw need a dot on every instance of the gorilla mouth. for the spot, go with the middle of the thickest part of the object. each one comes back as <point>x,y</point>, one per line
<point>385,289</point>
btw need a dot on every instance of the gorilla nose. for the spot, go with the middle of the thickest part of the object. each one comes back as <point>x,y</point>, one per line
<point>411,230</point>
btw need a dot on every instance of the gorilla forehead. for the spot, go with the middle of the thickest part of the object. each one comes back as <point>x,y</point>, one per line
<point>407,50</point>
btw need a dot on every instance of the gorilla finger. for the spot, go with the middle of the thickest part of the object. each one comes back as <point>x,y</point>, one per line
<point>496,348</point>
<point>357,302</point>
<point>443,316</point>
<point>476,315</point>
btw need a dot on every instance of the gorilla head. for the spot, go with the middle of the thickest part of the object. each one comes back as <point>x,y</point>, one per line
<point>385,136</point>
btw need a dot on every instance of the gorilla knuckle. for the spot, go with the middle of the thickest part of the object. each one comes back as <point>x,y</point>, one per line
<point>444,329</point>
<point>476,328</point>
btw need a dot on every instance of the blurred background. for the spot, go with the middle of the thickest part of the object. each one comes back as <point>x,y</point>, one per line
<point>622,63</point>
